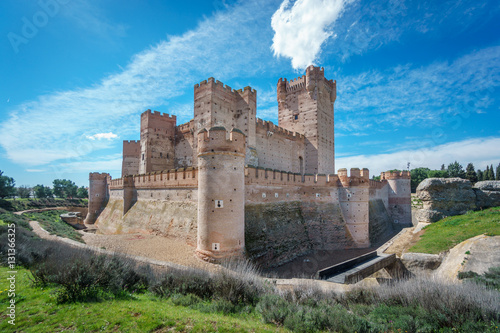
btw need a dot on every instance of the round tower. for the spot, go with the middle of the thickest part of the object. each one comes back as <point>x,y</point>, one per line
<point>98,195</point>
<point>221,194</point>
<point>399,195</point>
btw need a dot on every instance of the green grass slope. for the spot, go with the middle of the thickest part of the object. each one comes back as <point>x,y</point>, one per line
<point>38,311</point>
<point>445,234</point>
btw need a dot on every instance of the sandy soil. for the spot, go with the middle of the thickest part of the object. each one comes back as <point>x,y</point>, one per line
<point>150,246</point>
<point>404,241</point>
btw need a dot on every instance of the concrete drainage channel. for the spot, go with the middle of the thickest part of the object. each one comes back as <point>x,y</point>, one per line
<point>356,269</point>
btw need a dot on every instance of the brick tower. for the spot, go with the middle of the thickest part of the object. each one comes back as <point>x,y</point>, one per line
<point>157,142</point>
<point>216,104</point>
<point>98,195</point>
<point>221,193</point>
<point>305,105</point>
<point>399,195</point>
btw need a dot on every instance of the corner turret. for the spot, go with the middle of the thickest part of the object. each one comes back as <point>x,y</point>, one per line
<point>399,195</point>
<point>98,195</point>
<point>221,193</point>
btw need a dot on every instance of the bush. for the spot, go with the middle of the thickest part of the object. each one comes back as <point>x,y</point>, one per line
<point>89,277</point>
<point>446,305</point>
<point>274,309</point>
<point>9,217</point>
<point>241,286</point>
<point>490,279</point>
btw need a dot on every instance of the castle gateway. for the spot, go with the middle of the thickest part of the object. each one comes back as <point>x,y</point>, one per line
<point>232,184</point>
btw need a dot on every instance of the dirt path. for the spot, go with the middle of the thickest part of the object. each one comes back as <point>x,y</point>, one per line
<point>38,210</point>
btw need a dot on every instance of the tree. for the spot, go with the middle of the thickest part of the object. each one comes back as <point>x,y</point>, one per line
<point>417,175</point>
<point>437,174</point>
<point>64,188</point>
<point>82,193</point>
<point>492,173</point>
<point>480,175</point>
<point>7,188</point>
<point>470,173</point>
<point>486,175</point>
<point>42,192</point>
<point>498,172</point>
<point>455,169</point>
<point>23,191</point>
<point>443,167</point>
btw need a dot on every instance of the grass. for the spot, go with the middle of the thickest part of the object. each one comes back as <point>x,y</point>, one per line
<point>445,234</point>
<point>37,311</point>
<point>50,221</point>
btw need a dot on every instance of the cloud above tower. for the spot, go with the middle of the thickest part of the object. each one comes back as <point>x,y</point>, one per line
<point>301,28</point>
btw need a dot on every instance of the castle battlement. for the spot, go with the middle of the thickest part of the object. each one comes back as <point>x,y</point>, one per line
<point>395,175</point>
<point>216,139</point>
<point>186,127</point>
<point>270,126</point>
<point>173,178</point>
<point>266,176</point>
<point>357,178</point>
<point>131,141</point>
<point>157,115</point>
<point>220,87</point>
<point>99,176</point>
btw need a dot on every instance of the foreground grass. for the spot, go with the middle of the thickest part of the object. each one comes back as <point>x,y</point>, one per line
<point>37,311</point>
<point>445,234</point>
<point>50,221</point>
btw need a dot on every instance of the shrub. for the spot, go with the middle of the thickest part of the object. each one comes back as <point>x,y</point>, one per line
<point>274,309</point>
<point>446,305</point>
<point>185,300</point>
<point>238,287</point>
<point>85,276</point>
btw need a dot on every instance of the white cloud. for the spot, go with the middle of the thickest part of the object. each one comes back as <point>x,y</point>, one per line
<point>54,126</point>
<point>480,152</point>
<point>300,29</point>
<point>100,136</point>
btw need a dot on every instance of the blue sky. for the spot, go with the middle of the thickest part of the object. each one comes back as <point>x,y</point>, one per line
<point>417,81</point>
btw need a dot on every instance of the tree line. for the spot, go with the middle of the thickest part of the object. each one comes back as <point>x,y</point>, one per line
<point>455,170</point>
<point>61,188</point>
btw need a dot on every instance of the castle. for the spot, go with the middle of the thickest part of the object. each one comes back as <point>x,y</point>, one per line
<point>233,184</point>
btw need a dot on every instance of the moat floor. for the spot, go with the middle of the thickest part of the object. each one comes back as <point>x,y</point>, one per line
<point>155,247</point>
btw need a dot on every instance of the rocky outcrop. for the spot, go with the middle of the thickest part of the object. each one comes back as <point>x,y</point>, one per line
<point>443,197</point>
<point>487,193</point>
<point>419,263</point>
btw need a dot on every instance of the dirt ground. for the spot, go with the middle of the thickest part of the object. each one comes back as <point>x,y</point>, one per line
<point>404,241</point>
<point>149,246</point>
